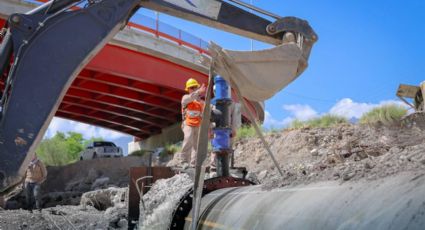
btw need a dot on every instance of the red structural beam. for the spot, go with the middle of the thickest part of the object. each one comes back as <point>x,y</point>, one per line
<point>99,123</point>
<point>122,82</point>
<point>127,63</point>
<point>129,95</point>
<point>129,91</point>
<point>120,103</point>
<point>112,113</point>
<point>132,115</point>
<point>116,122</point>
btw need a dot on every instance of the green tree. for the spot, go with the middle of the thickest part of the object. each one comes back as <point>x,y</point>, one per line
<point>53,151</point>
<point>87,142</point>
<point>63,148</point>
<point>74,143</point>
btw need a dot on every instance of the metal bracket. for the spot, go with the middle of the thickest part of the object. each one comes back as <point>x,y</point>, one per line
<point>140,190</point>
<point>185,205</point>
<point>292,24</point>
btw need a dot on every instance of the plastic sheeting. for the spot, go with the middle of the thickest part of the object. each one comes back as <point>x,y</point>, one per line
<point>258,74</point>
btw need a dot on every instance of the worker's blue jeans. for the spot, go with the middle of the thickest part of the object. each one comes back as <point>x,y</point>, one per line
<point>33,195</point>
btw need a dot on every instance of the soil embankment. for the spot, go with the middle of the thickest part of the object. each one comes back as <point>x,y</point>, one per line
<point>343,155</point>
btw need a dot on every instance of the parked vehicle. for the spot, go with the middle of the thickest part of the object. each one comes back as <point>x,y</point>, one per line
<point>101,149</point>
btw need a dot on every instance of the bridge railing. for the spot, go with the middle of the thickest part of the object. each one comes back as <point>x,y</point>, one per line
<point>168,32</point>
<point>162,30</point>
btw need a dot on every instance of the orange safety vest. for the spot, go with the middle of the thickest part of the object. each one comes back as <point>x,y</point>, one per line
<point>192,113</point>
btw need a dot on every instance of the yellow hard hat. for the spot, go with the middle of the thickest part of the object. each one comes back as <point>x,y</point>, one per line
<point>191,83</point>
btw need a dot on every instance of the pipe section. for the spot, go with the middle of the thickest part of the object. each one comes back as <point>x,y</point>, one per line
<point>221,141</point>
<point>390,203</point>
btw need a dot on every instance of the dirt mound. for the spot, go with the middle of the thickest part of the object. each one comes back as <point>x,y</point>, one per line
<point>88,175</point>
<point>61,217</point>
<point>346,152</point>
<point>65,184</point>
<point>100,209</point>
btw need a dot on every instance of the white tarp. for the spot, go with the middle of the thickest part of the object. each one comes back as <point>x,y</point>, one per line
<point>258,74</point>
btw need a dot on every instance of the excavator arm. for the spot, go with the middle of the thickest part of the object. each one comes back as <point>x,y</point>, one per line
<point>42,52</point>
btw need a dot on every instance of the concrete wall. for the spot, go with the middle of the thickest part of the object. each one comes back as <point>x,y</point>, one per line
<point>171,134</point>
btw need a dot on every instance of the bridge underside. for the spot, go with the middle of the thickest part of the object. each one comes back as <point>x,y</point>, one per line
<point>128,91</point>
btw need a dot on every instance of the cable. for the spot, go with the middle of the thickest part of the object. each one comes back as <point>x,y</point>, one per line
<point>49,7</point>
<point>308,97</point>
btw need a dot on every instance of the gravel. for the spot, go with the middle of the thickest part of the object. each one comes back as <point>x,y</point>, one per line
<point>343,153</point>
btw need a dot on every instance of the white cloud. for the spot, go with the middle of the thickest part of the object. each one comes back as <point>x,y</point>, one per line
<point>297,111</point>
<point>301,112</point>
<point>346,107</point>
<point>88,131</point>
<point>269,121</point>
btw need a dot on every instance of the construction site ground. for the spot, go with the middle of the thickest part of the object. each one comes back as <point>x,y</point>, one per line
<point>346,154</point>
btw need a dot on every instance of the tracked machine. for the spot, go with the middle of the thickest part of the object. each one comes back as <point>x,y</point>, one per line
<point>70,35</point>
<point>42,51</point>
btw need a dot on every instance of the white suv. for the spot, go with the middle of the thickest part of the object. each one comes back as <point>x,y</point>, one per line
<point>101,149</point>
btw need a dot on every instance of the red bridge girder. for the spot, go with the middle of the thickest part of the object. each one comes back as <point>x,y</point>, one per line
<point>127,91</point>
<point>120,86</point>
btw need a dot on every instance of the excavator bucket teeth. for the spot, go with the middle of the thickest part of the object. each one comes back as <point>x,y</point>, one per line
<point>259,74</point>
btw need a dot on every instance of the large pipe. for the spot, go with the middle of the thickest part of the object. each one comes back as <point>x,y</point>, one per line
<point>390,203</point>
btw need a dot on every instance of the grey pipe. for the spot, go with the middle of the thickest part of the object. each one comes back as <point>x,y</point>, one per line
<point>389,203</point>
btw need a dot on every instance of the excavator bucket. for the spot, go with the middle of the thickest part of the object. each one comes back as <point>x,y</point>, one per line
<point>259,74</point>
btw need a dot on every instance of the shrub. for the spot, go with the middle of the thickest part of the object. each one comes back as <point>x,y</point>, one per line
<point>170,149</point>
<point>386,114</point>
<point>62,148</point>
<point>245,132</point>
<point>273,130</point>
<point>138,153</point>
<point>320,122</point>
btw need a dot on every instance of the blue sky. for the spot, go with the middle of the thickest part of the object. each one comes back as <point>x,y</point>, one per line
<point>365,49</point>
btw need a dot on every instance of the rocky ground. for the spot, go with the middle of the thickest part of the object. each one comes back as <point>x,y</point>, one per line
<point>342,153</point>
<point>100,209</point>
<point>347,152</point>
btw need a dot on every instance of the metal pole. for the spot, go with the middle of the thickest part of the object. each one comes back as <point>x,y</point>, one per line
<point>157,23</point>
<point>252,41</point>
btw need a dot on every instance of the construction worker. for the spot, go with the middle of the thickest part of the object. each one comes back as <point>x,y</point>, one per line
<point>192,107</point>
<point>35,175</point>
